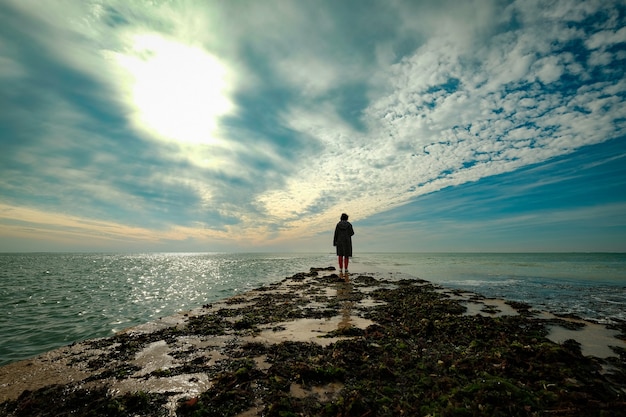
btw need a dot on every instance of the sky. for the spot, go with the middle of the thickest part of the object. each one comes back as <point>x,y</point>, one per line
<point>250,126</point>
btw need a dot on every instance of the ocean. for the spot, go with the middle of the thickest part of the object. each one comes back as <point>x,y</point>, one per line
<point>48,300</point>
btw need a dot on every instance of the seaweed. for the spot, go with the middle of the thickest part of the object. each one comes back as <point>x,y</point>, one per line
<point>422,357</point>
<point>71,400</point>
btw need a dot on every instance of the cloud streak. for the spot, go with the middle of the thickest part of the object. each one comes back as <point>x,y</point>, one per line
<point>234,124</point>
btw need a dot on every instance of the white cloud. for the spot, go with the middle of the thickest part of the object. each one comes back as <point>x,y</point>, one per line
<point>599,59</point>
<point>497,120</point>
<point>455,95</point>
<point>549,69</point>
<point>606,38</point>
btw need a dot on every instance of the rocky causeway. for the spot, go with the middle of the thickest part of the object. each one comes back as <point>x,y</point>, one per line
<point>323,344</point>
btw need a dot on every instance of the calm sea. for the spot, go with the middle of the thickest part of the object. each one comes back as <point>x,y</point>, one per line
<point>50,300</point>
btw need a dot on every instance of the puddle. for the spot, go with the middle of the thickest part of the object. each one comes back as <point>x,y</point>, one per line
<point>188,384</point>
<point>154,357</point>
<point>594,339</point>
<point>489,308</point>
<point>325,393</point>
<point>369,302</point>
<point>310,330</point>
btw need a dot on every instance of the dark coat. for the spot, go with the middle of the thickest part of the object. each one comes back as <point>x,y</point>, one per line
<point>343,238</point>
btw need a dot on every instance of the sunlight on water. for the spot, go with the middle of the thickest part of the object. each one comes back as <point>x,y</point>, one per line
<point>51,300</point>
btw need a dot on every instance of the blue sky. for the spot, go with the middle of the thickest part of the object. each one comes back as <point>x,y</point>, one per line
<point>481,125</point>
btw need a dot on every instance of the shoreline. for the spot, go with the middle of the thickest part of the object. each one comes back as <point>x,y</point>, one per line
<point>292,346</point>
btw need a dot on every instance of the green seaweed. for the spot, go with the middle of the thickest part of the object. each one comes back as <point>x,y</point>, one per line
<point>421,357</point>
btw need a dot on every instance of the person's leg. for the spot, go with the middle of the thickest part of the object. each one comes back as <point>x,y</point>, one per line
<point>340,258</point>
<point>345,262</point>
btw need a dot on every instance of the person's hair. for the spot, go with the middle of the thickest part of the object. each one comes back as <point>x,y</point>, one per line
<point>344,216</point>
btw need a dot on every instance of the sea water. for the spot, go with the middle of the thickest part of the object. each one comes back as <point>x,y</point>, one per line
<point>588,285</point>
<point>48,300</point>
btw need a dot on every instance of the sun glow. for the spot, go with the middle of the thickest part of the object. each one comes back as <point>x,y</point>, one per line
<point>177,91</point>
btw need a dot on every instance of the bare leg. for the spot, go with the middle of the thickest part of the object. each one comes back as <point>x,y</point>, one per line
<point>340,258</point>
<point>345,262</point>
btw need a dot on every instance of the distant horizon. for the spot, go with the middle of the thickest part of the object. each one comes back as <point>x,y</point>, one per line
<point>310,253</point>
<point>438,126</point>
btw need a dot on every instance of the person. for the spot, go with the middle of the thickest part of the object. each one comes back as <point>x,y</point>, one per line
<point>343,242</point>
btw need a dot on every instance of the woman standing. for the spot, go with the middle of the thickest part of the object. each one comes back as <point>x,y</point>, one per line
<point>343,242</point>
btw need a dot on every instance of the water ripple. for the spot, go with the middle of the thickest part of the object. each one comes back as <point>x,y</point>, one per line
<point>51,300</point>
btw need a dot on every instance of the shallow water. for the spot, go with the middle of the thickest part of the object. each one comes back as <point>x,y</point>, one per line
<point>592,286</point>
<point>50,300</point>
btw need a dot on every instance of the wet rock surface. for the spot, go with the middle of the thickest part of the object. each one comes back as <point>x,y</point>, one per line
<point>323,345</point>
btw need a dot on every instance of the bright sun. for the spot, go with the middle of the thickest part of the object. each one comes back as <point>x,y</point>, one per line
<point>178,91</point>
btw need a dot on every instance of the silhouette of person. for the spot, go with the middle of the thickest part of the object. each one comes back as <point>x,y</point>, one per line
<point>343,242</point>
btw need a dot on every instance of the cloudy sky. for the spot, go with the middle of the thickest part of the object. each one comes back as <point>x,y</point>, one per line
<point>443,125</point>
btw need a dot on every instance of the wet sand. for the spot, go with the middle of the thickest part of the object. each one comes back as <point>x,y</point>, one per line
<point>275,342</point>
